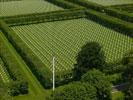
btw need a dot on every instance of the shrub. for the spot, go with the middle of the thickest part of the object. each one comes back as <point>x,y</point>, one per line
<point>100,82</point>
<point>74,91</point>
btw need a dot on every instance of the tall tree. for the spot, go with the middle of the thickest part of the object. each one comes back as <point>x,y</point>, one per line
<point>90,56</point>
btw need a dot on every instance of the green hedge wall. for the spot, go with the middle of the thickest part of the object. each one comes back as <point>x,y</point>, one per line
<point>111,22</point>
<point>45,17</point>
<point>64,4</point>
<point>119,14</point>
<point>37,67</point>
<point>110,11</point>
<point>12,67</point>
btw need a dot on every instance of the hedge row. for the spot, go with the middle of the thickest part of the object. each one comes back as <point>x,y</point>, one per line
<point>37,67</point>
<point>110,11</point>
<point>45,17</point>
<point>87,4</point>
<point>119,14</point>
<point>64,4</point>
<point>95,14</point>
<point>12,67</point>
<point>111,22</point>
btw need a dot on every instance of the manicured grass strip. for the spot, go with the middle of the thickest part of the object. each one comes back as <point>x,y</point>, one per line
<point>34,86</point>
<point>118,96</point>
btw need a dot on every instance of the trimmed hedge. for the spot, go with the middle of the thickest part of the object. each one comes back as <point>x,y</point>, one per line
<point>64,4</point>
<point>110,11</point>
<point>119,14</point>
<point>37,67</point>
<point>87,4</point>
<point>111,22</point>
<point>12,68</point>
<point>44,17</point>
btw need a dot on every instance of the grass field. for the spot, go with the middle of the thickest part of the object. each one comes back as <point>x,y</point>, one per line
<point>63,39</point>
<point>111,2</point>
<point>26,7</point>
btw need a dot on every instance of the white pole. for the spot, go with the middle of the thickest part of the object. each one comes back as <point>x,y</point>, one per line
<point>53,73</point>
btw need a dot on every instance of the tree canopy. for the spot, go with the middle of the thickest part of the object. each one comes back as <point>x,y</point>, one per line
<point>98,79</point>
<point>128,73</point>
<point>90,56</point>
<point>74,91</point>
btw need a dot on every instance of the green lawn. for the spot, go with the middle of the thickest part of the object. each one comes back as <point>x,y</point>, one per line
<point>35,89</point>
<point>63,39</point>
<point>111,2</point>
<point>26,7</point>
<point>118,96</point>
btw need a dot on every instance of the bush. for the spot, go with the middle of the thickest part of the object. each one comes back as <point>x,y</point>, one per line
<point>74,91</point>
<point>128,73</point>
<point>114,68</point>
<point>100,82</point>
<point>131,90</point>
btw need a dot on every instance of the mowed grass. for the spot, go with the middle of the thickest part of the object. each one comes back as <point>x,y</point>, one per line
<point>118,96</point>
<point>111,2</point>
<point>64,39</point>
<point>26,7</point>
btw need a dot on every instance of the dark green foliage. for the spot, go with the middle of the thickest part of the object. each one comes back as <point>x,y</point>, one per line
<point>131,90</point>
<point>23,88</point>
<point>113,68</point>
<point>90,56</point>
<point>119,14</point>
<point>128,73</point>
<point>74,91</point>
<point>100,82</point>
<point>18,87</point>
<point>14,89</point>
<point>128,58</point>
